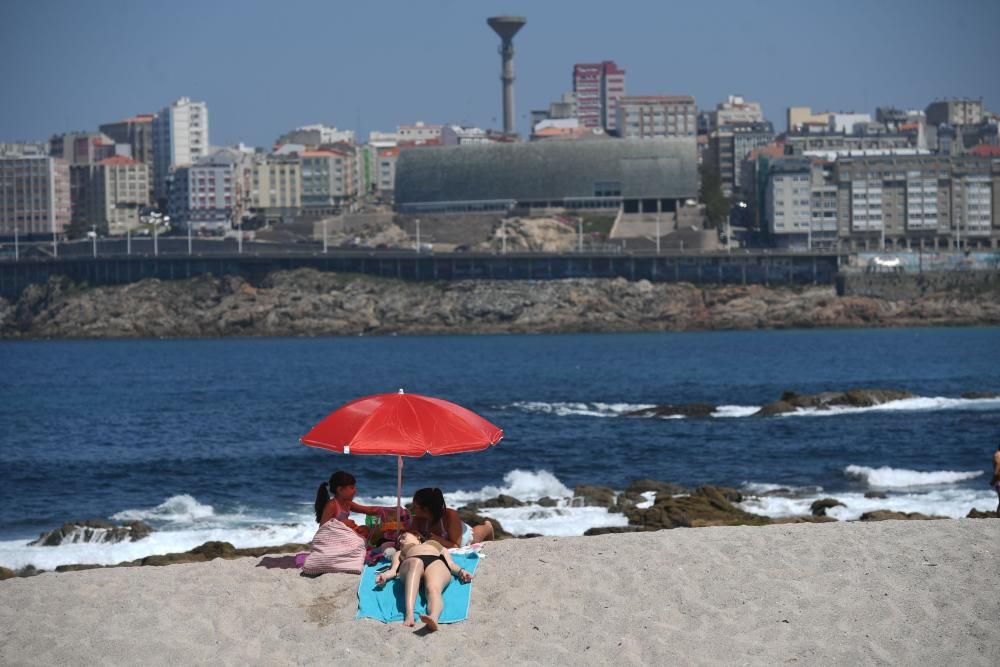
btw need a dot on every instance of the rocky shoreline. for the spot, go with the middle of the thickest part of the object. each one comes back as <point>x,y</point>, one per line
<point>307,302</point>
<point>648,504</point>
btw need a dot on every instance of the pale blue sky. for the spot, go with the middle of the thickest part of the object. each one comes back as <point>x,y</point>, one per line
<point>266,67</point>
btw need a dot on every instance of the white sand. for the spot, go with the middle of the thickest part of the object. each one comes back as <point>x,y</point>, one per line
<point>895,592</point>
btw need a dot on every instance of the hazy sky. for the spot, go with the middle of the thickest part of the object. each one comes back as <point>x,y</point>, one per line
<point>266,67</point>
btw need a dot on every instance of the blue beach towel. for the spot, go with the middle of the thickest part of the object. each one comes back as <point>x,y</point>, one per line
<point>386,604</point>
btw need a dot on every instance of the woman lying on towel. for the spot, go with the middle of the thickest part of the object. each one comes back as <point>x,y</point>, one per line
<point>418,561</point>
<point>436,522</point>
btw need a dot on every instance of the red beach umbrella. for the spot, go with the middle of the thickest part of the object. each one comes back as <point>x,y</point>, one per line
<point>404,425</point>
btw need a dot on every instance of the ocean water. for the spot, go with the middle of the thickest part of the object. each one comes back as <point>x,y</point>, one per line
<point>199,438</point>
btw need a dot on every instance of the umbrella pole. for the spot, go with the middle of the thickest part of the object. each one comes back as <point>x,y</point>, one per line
<point>399,488</point>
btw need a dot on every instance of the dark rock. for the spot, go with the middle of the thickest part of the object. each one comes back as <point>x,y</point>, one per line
<point>595,496</point>
<point>29,571</point>
<point>730,494</point>
<point>685,410</point>
<point>547,502</point>
<point>819,507</point>
<point>93,530</point>
<point>501,501</point>
<point>707,506</point>
<point>78,567</point>
<point>804,519</point>
<point>979,394</point>
<point>469,516</point>
<point>858,398</point>
<point>776,492</point>
<point>661,488</point>
<point>528,536</point>
<point>876,494</point>
<point>889,515</point>
<point>612,530</point>
<point>979,514</point>
<point>6,573</point>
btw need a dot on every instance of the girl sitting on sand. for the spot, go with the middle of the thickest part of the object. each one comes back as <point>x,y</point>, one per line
<point>335,500</point>
<point>434,521</point>
<point>416,561</point>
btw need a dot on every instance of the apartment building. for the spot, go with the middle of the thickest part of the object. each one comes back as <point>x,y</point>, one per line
<point>208,195</point>
<point>137,133</point>
<point>729,145</point>
<point>329,179</point>
<point>735,110</point>
<point>653,116</point>
<point>314,136</point>
<point>800,203</point>
<point>597,87</point>
<point>275,188</point>
<point>929,201</point>
<point>84,147</point>
<point>116,192</point>
<point>34,196</point>
<point>955,112</point>
<point>180,138</point>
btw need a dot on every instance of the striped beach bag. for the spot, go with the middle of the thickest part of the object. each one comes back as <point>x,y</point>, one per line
<point>335,548</point>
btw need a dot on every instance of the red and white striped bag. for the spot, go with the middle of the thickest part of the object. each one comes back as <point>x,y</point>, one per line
<point>335,548</point>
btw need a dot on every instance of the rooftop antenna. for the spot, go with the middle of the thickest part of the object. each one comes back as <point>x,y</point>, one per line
<point>506,27</point>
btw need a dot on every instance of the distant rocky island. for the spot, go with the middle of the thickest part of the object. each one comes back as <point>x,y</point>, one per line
<point>307,302</point>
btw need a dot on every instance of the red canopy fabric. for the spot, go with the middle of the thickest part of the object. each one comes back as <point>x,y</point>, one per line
<point>403,425</point>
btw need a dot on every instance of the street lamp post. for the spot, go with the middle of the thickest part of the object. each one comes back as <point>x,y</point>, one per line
<point>657,230</point>
<point>325,224</point>
<point>17,246</point>
<point>579,235</point>
<point>239,235</point>
<point>503,236</point>
<point>156,241</point>
<point>55,242</point>
<point>417,221</point>
<point>189,238</point>
<point>128,241</point>
<point>93,232</point>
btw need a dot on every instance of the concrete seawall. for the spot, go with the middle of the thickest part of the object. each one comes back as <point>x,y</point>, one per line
<point>716,269</point>
<point>907,286</point>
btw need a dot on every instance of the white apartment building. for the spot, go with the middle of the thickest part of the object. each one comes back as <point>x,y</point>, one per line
<point>653,116</point>
<point>180,138</point>
<point>456,135</point>
<point>315,135</point>
<point>845,122</point>
<point>734,110</point>
<point>329,179</point>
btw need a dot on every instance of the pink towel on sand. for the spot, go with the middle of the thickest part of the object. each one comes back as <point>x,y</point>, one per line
<point>335,548</point>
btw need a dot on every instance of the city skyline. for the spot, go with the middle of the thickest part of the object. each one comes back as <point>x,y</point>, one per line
<point>438,62</point>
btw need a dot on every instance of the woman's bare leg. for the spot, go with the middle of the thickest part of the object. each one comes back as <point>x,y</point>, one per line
<point>436,579</point>
<point>483,533</point>
<point>411,571</point>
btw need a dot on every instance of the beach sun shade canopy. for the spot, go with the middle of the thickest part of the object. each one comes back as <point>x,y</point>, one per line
<point>402,424</point>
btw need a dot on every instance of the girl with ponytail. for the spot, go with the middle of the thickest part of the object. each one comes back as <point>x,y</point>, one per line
<point>335,500</point>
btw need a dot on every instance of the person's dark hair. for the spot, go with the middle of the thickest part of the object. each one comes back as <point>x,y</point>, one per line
<point>323,493</point>
<point>432,499</point>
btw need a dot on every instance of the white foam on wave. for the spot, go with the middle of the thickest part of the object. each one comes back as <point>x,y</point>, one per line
<point>733,411</point>
<point>561,521</point>
<point>176,509</point>
<point>565,409</point>
<point>916,404</point>
<point>954,503</point>
<point>525,485</point>
<point>891,478</point>
<point>16,554</point>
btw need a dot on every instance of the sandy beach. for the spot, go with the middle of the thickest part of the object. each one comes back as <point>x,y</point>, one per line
<point>894,592</point>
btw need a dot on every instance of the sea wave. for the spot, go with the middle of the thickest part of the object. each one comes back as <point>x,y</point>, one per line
<point>175,509</point>
<point>890,478</point>
<point>953,503</point>
<point>916,404</point>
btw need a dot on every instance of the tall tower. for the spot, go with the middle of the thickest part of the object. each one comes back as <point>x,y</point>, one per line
<point>506,27</point>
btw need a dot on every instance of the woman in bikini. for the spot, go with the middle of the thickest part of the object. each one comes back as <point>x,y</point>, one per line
<point>417,560</point>
<point>434,521</point>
